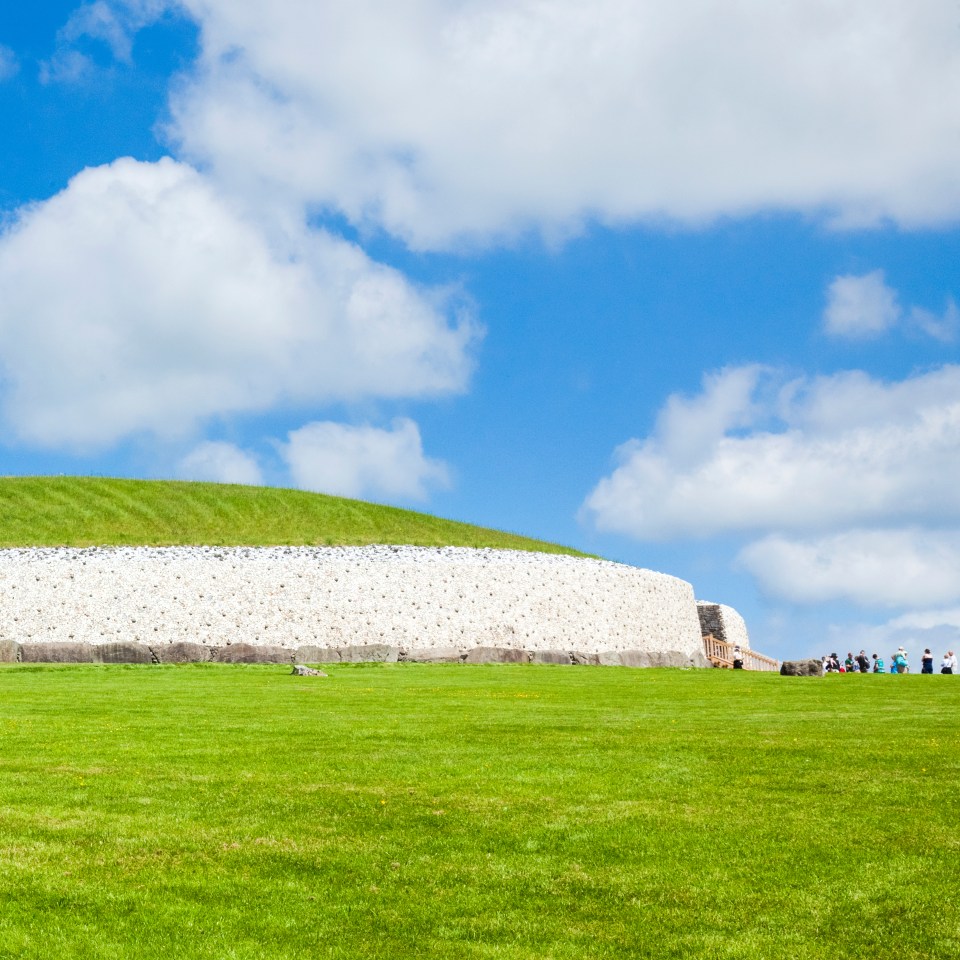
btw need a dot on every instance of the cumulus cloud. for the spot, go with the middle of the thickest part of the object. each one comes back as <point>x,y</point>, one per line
<point>363,461</point>
<point>845,449</point>
<point>141,299</point>
<point>910,567</point>
<point>863,306</point>
<point>860,306</point>
<point>848,482</point>
<point>480,119</point>
<point>220,462</point>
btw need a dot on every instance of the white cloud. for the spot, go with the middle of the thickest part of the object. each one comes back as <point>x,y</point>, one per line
<point>220,462</point>
<point>9,64</point>
<point>821,454</point>
<point>907,567</point>
<point>441,121</point>
<point>943,328</point>
<point>938,629</point>
<point>111,22</point>
<point>849,481</point>
<point>140,299</point>
<point>860,307</point>
<point>363,461</point>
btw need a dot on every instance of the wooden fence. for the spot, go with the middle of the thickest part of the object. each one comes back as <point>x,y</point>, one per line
<point>720,654</point>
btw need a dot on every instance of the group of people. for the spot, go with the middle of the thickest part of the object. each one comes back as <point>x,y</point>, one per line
<point>899,663</point>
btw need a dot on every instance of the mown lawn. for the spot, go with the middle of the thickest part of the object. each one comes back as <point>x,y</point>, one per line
<point>100,511</point>
<point>407,810</point>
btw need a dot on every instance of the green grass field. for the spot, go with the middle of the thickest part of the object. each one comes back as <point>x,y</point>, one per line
<point>406,810</point>
<point>91,511</point>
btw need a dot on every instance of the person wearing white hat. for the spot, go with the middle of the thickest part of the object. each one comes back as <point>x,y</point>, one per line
<point>900,659</point>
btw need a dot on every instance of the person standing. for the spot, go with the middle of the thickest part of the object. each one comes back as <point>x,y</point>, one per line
<point>737,657</point>
<point>926,661</point>
<point>949,663</point>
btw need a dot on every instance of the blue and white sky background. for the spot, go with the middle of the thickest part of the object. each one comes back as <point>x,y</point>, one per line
<point>672,283</point>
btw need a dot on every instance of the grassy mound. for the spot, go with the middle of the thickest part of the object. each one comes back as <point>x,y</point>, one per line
<point>491,813</point>
<point>88,511</point>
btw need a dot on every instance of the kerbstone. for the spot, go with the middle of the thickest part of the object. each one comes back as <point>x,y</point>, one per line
<point>557,657</point>
<point>123,653</point>
<point>313,654</point>
<point>432,655</point>
<point>57,653</point>
<point>370,653</point>
<point>497,655</point>
<point>252,653</point>
<point>180,652</point>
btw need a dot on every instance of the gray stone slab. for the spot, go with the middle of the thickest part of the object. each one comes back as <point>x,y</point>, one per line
<point>438,655</point>
<point>252,653</point>
<point>123,653</point>
<point>609,658</point>
<point>370,653</point>
<point>637,658</point>
<point>558,657</point>
<point>699,660</point>
<point>585,659</point>
<point>180,652</point>
<point>314,654</point>
<point>57,653</point>
<point>9,651</point>
<point>497,655</point>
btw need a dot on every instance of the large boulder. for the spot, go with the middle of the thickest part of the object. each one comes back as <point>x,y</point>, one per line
<point>181,651</point>
<point>122,652</point>
<point>556,657</point>
<point>497,655</point>
<point>250,653</point>
<point>432,655</point>
<point>316,654</point>
<point>801,668</point>
<point>57,653</point>
<point>369,653</point>
<point>9,651</point>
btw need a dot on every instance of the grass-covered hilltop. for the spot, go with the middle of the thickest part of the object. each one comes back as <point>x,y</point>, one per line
<point>95,511</point>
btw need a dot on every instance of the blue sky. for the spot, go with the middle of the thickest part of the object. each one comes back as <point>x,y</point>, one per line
<point>675,286</point>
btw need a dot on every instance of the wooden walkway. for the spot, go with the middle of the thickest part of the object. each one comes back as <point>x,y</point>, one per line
<point>720,654</point>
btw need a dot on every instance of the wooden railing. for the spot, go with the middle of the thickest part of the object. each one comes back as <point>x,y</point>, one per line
<point>720,654</point>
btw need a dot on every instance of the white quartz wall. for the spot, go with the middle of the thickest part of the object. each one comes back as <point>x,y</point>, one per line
<point>734,627</point>
<point>406,597</point>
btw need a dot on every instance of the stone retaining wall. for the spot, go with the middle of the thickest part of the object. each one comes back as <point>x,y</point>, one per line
<point>326,604</point>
